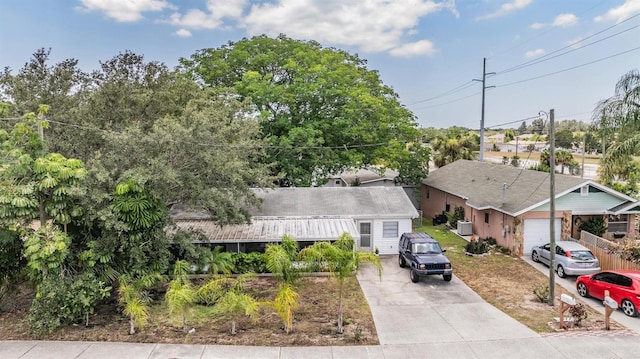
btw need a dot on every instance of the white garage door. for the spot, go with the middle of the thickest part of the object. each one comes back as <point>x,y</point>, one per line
<point>536,233</point>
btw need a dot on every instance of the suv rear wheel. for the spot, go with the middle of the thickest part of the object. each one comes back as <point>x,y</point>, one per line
<point>401,261</point>
<point>414,276</point>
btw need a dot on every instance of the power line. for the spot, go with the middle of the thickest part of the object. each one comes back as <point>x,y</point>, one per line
<point>570,68</point>
<point>452,101</point>
<point>449,92</point>
<point>548,56</point>
<point>549,30</point>
<point>516,121</point>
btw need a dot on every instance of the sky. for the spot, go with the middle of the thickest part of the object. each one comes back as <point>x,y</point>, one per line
<point>565,55</point>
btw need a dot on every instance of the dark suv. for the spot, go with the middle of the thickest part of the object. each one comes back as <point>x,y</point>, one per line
<point>424,255</point>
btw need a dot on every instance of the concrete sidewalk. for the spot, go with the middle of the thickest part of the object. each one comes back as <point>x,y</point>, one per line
<point>536,347</point>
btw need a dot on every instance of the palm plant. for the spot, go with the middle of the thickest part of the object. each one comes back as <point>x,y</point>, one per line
<point>280,260</point>
<point>181,294</point>
<point>621,112</point>
<point>135,299</point>
<point>342,261</point>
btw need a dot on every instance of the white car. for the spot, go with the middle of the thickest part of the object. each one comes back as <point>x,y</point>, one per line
<point>571,258</point>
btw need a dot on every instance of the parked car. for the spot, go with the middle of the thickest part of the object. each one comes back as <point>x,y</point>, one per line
<point>424,256</point>
<point>572,258</point>
<point>623,287</point>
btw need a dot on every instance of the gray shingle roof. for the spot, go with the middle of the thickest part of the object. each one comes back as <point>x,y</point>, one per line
<point>355,202</point>
<point>481,184</point>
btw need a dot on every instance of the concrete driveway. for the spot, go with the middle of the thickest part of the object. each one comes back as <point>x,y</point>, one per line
<point>432,310</point>
<point>569,285</point>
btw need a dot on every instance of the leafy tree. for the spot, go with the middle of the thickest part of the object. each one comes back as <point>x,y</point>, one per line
<point>415,167</point>
<point>531,147</point>
<point>181,294</point>
<point>509,135</point>
<point>564,139</point>
<point>60,86</point>
<point>134,298</point>
<point>538,126</point>
<point>321,109</point>
<point>342,261</point>
<point>620,114</point>
<point>522,129</point>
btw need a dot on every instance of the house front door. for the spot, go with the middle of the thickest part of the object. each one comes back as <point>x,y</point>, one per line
<point>365,235</point>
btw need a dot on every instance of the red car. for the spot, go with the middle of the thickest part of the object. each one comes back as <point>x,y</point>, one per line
<point>623,287</point>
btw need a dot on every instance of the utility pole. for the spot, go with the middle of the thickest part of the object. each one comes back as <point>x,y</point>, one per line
<point>552,207</point>
<point>584,149</point>
<point>484,78</point>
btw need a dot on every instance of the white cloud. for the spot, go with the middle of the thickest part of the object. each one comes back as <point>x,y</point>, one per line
<point>506,8</point>
<point>565,20</point>
<point>537,25</point>
<point>620,13</point>
<point>183,33</point>
<point>533,53</point>
<point>217,11</point>
<point>422,47</point>
<point>124,10</point>
<point>373,26</point>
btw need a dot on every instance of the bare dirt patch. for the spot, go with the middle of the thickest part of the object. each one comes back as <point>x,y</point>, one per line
<point>315,321</point>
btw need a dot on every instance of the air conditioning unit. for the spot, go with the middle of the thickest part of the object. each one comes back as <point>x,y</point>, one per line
<point>465,228</point>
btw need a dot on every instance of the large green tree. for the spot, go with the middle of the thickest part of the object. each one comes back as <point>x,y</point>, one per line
<point>322,110</point>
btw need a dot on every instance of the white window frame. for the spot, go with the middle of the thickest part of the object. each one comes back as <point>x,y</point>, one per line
<point>389,227</point>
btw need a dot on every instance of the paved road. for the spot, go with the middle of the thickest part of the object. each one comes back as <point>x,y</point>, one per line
<point>569,286</point>
<point>430,319</point>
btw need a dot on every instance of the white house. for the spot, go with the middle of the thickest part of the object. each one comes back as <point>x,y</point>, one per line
<point>374,216</point>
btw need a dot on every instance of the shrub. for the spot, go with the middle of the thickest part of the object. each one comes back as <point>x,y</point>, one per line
<point>594,225</point>
<point>249,262</point>
<point>477,247</point>
<point>492,241</point>
<point>542,292</point>
<point>457,215</point>
<point>578,313</point>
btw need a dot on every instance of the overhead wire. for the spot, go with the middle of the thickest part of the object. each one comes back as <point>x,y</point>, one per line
<point>570,68</point>
<point>548,56</point>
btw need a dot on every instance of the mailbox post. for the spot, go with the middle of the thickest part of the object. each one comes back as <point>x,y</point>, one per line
<point>610,306</point>
<point>566,302</point>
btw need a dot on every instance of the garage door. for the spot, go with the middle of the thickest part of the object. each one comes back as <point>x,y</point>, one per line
<point>536,233</point>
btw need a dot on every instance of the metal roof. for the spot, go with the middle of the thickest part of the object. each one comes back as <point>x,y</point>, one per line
<point>272,229</point>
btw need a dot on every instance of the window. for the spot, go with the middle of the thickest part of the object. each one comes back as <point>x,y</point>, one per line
<point>486,218</point>
<point>618,223</point>
<point>390,229</point>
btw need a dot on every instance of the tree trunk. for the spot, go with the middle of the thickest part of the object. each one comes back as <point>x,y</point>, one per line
<point>86,323</point>
<point>132,328</point>
<point>184,322</point>
<point>340,329</point>
<point>233,327</point>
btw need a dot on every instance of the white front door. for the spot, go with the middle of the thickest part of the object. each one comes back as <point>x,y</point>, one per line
<point>365,236</point>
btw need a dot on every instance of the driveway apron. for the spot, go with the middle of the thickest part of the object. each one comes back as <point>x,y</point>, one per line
<point>432,310</point>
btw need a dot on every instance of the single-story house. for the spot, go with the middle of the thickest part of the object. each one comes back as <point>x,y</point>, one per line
<point>375,217</point>
<point>512,204</point>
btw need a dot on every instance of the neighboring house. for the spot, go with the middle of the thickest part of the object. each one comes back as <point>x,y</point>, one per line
<point>369,178</point>
<point>374,216</point>
<point>512,204</point>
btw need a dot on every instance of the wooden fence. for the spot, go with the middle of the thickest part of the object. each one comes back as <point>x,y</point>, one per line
<point>601,249</point>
